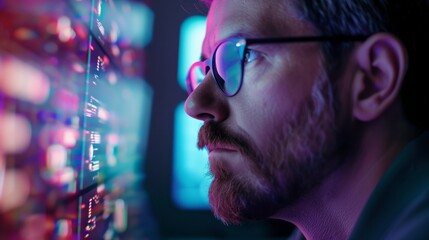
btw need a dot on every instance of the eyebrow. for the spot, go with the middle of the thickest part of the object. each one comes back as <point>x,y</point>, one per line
<point>239,33</point>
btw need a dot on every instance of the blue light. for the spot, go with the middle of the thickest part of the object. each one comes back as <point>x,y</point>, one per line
<point>190,166</point>
<point>139,33</point>
<point>191,39</point>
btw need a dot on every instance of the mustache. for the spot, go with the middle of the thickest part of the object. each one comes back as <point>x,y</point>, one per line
<point>216,133</point>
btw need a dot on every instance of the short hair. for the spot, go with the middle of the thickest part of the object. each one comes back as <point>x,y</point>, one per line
<point>408,20</point>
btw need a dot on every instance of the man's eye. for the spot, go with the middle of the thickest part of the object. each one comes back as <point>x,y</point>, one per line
<point>250,55</point>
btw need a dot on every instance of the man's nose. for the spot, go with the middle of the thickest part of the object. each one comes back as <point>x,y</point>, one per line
<point>207,102</point>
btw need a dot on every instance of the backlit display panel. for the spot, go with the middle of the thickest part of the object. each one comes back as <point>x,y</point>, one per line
<point>74,119</point>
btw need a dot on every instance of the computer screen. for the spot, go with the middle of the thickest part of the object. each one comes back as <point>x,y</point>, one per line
<point>74,119</point>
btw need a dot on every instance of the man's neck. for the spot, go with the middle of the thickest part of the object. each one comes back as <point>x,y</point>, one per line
<point>331,209</point>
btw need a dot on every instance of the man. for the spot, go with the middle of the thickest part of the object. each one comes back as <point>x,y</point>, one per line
<point>314,113</point>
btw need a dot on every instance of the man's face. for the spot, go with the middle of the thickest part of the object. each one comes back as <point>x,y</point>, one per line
<point>267,144</point>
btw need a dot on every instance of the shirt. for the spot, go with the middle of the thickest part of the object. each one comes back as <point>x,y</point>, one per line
<point>398,207</point>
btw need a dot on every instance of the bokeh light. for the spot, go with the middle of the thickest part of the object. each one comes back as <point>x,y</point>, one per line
<point>15,133</point>
<point>56,157</point>
<point>23,81</point>
<point>58,134</point>
<point>16,189</point>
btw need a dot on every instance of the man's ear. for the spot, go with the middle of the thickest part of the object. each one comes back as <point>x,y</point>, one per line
<point>382,63</point>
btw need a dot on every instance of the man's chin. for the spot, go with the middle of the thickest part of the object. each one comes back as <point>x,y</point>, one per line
<point>224,202</point>
<point>235,200</point>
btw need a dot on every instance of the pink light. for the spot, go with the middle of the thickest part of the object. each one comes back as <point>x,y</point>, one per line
<point>78,67</point>
<point>106,60</point>
<point>16,189</point>
<point>64,29</point>
<point>80,30</point>
<point>103,114</point>
<point>113,138</point>
<point>128,57</point>
<point>116,50</point>
<point>101,188</point>
<point>69,137</point>
<point>65,136</point>
<point>112,78</point>
<point>15,133</point>
<point>56,157</point>
<point>23,81</point>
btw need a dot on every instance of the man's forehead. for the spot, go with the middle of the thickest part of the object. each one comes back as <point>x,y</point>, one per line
<point>251,18</point>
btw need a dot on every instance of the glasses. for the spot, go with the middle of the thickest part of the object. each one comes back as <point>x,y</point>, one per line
<point>230,56</point>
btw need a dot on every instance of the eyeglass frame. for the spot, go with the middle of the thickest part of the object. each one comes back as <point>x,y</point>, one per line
<point>210,62</point>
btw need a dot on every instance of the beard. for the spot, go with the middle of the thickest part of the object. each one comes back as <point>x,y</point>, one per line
<point>300,155</point>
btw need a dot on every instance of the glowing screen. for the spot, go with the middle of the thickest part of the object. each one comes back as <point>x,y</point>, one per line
<point>74,119</point>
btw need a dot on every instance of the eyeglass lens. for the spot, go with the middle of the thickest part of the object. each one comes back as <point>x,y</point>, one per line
<point>227,67</point>
<point>195,76</point>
